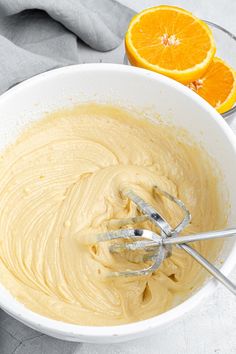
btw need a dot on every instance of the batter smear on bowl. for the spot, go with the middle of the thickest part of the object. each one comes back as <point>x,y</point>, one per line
<point>61,180</point>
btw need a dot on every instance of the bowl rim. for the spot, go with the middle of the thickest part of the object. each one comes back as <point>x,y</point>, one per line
<point>78,332</point>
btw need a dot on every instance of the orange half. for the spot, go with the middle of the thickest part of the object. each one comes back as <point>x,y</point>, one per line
<point>170,41</point>
<point>217,85</point>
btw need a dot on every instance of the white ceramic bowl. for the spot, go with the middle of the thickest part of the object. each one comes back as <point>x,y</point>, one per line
<point>127,86</point>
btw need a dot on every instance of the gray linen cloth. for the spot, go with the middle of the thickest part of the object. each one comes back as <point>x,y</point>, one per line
<point>39,35</point>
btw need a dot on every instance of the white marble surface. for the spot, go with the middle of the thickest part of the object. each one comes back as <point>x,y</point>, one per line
<point>209,329</point>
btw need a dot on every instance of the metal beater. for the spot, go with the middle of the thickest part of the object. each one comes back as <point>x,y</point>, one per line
<point>155,248</point>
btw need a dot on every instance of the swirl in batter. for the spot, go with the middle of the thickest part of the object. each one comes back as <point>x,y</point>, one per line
<point>61,180</point>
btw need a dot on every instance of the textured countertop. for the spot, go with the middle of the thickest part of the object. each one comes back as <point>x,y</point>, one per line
<point>210,328</point>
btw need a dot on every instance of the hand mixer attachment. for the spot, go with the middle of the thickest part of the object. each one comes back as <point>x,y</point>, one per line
<point>156,248</point>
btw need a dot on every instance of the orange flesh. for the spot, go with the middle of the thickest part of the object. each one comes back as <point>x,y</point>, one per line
<point>216,85</point>
<point>170,39</point>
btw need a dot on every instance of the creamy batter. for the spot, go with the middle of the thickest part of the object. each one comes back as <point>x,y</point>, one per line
<point>61,181</point>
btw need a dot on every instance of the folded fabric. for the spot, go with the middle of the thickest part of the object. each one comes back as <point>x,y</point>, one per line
<point>38,35</point>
